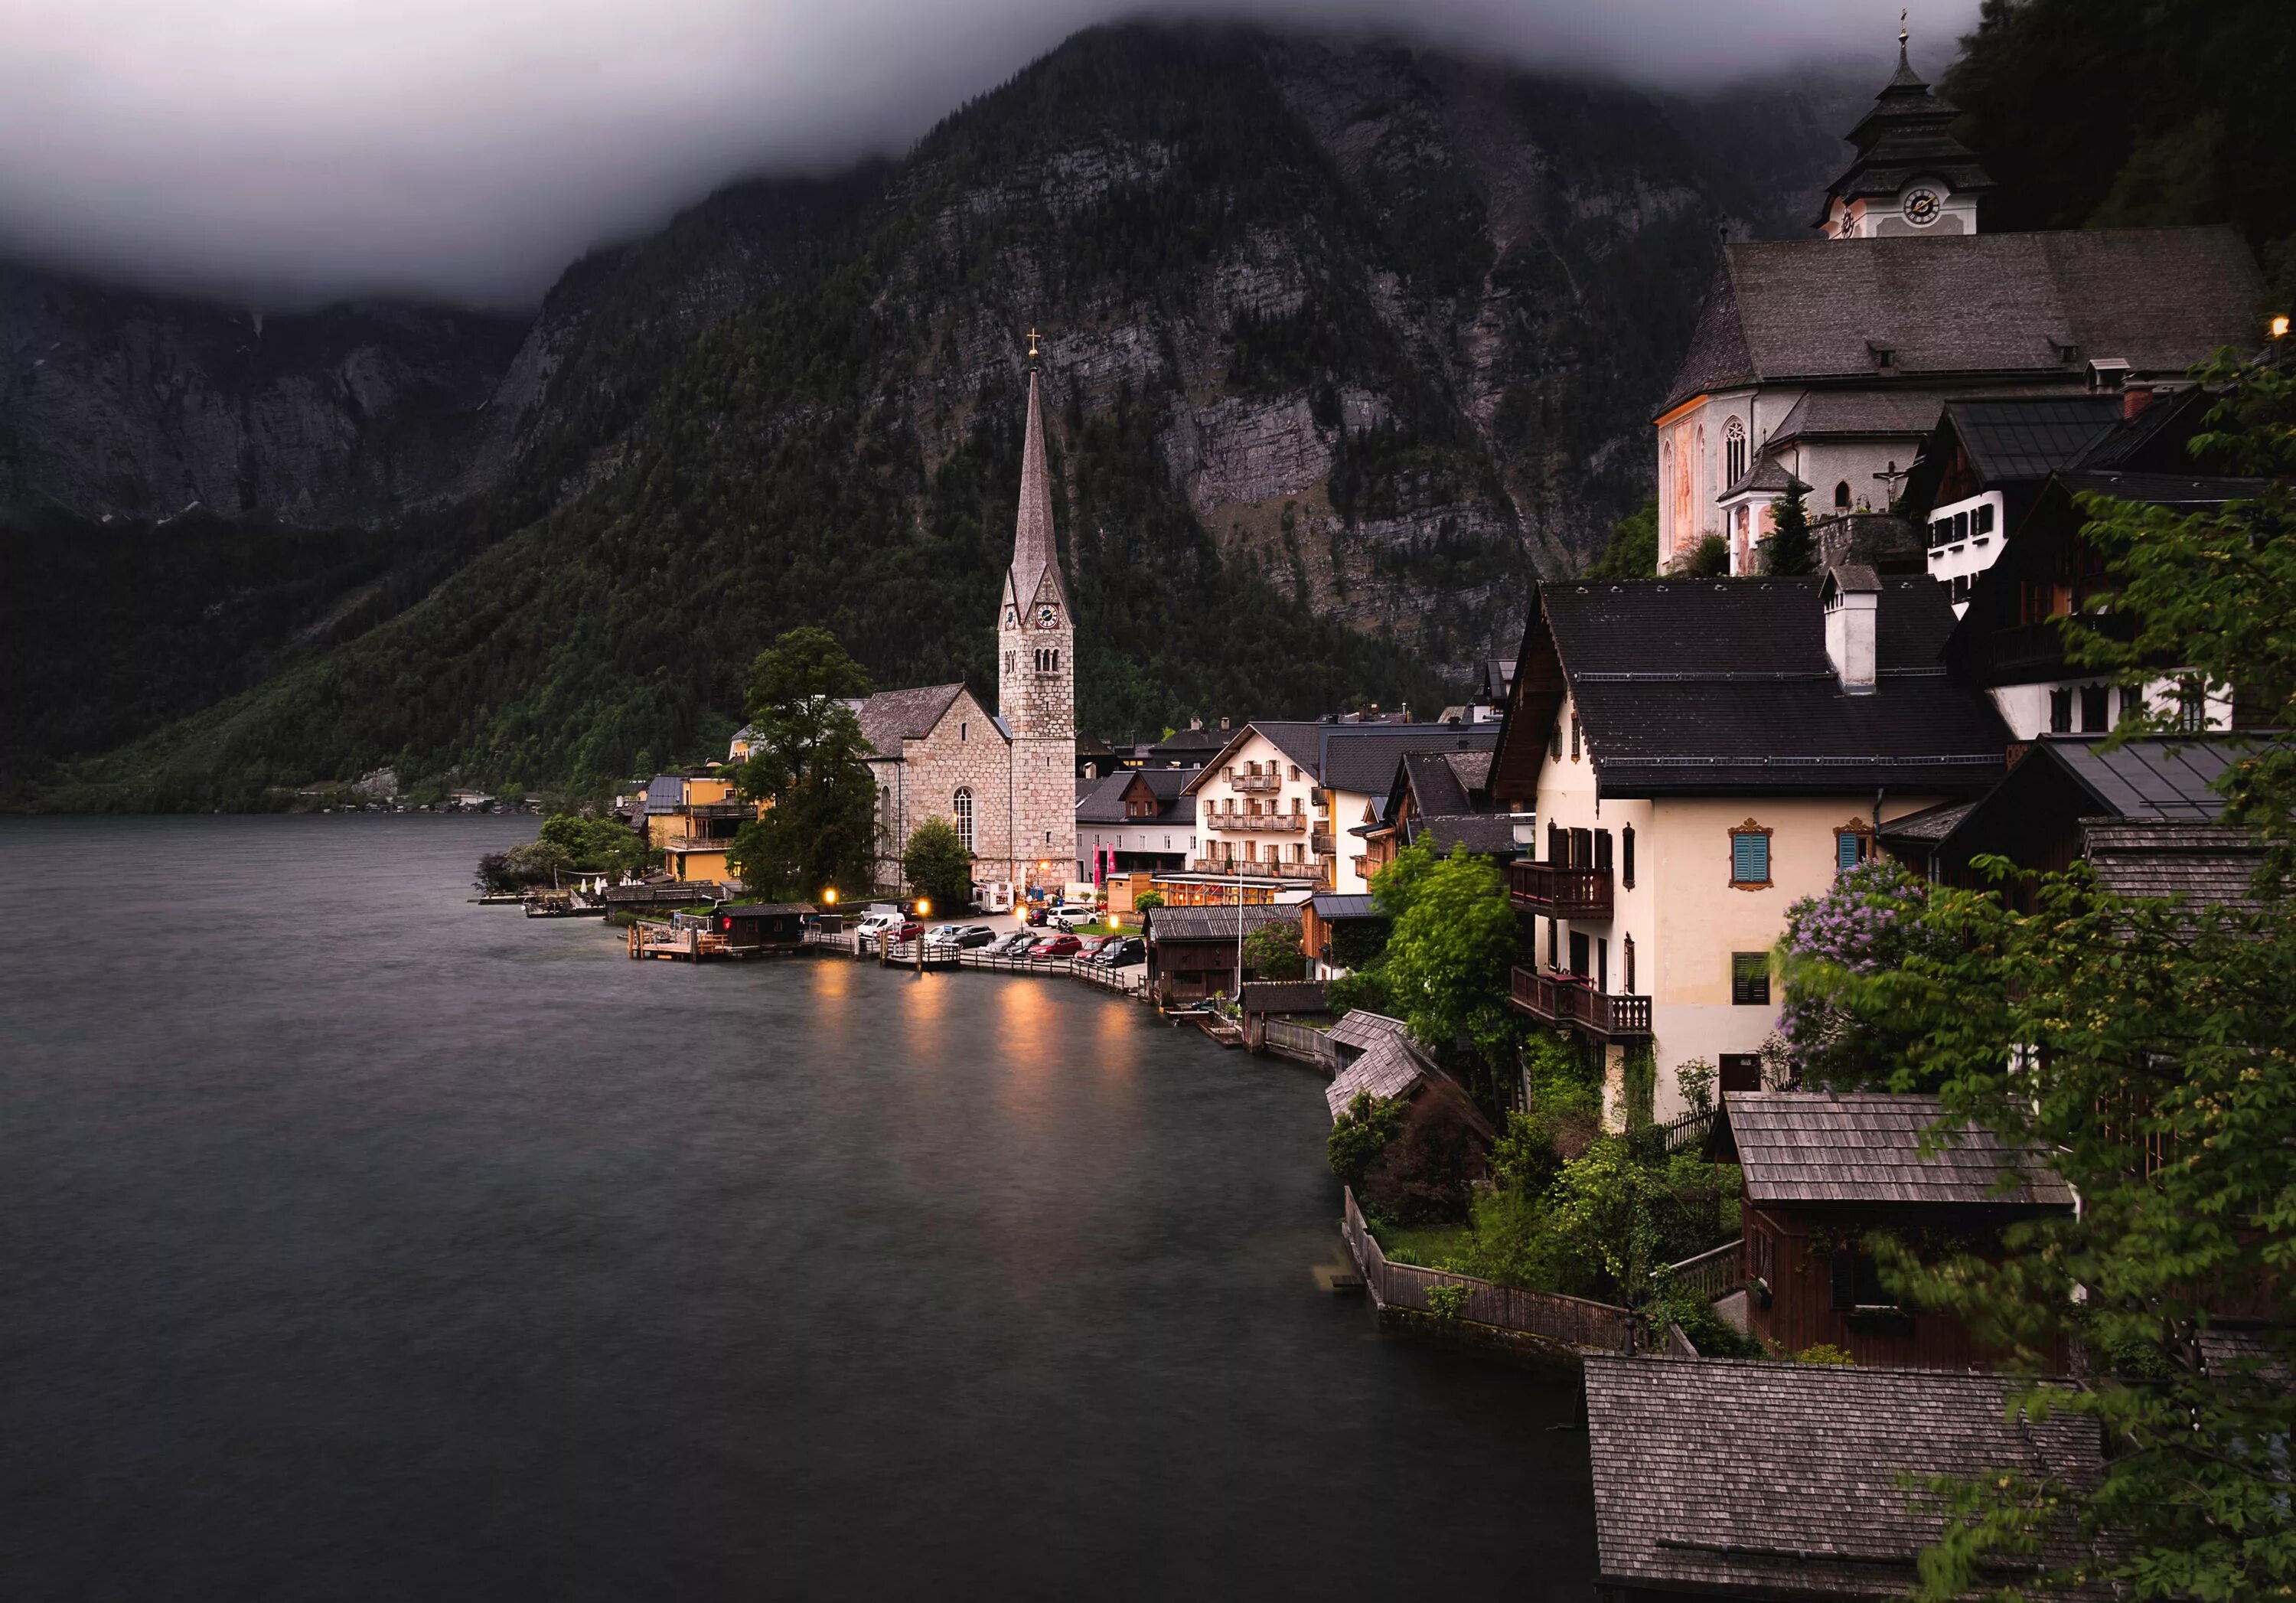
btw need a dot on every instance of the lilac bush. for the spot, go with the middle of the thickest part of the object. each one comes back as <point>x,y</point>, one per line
<point>1867,922</point>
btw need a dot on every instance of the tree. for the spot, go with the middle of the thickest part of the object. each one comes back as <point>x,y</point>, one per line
<point>2149,1049</point>
<point>938,865</point>
<point>1864,922</point>
<point>1147,901</point>
<point>595,845</point>
<point>808,764</point>
<point>1790,550</point>
<point>1359,1135</point>
<point>1446,962</point>
<point>1632,552</point>
<point>1272,951</point>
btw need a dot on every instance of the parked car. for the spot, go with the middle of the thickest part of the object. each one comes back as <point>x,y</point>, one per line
<point>1057,946</point>
<point>1013,943</point>
<point>908,931</point>
<point>1036,915</point>
<point>1121,951</point>
<point>974,936</point>
<point>869,926</point>
<point>1072,914</point>
<point>943,935</point>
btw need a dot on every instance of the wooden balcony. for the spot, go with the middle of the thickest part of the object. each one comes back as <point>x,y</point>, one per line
<point>1266,823</point>
<point>1567,999</point>
<point>1321,845</point>
<point>1555,892</point>
<point>1255,782</point>
<point>1233,868</point>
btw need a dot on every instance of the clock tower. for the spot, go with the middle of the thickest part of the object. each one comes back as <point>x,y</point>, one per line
<point>1911,176</point>
<point>1036,674</point>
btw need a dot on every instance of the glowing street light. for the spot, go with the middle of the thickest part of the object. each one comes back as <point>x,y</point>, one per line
<point>924,911</point>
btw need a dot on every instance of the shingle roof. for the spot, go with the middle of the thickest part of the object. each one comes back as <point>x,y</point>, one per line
<point>1212,924</point>
<point>1035,555</point>
<point>1361,758</point>
<point>1783,1480</point>
<point>1864,1147</point>
<point>1725,685</point>
<point>1359,1027</point>
<point>2161,298</point>
<point>1488,835</point>
<point>1929,825</point>
<point>1824,413</point>
<point>1387,1067</point>
<point>2209,865</point>
<point>2166,490</point>
<point>1768,473</point>
<point>889,717</point>
<point>1101,801</point>
<point>1436,782</point>
<point>766,910</point>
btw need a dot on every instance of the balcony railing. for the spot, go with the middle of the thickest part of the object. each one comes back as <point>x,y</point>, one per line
<point>1255,782</point>
<point>1234,868</point>
<point>1267,823</point>
<point>720,810</point>
<point>1321,844</point>
<point>1567,999</point>
<point>1557,891</point>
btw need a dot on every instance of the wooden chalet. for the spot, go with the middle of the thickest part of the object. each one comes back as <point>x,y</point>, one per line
<point>1742,1478</point>
<point>761,926</point>
<point>1825,1170</point>
<point>1191,951</point>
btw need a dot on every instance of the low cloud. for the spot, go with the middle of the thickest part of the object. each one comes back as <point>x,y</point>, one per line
<point>286,150</point>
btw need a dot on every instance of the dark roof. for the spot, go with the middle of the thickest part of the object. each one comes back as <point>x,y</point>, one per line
<point>1836,414</point>
<point>2166,490</point>
<point>2208,865</point>
<point>1361,758</point>
<point>1929,825</point>
<point>1781,1480</point>
<point>1036,555</point>
<point>1211,924</point>
<point>1330,906</point>
<point>1101,801</point>
<point>1864,1147</point>
<point>889,717</point>
<point>1436,782</point>
<point>1387,1067</point>
<point>1493,675</point>
<point>2159,299</point>
<point>1907,134</point>
<point>766,910</point>
<point>1488,835</point>
<point>2159,777</point>
<point>1767,473</point>
<point>2009,442</point>
<point>1725,685</point>
<point>665,794</point>
<point>1282,995</point>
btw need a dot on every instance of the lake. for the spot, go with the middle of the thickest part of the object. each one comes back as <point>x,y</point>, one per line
<point>359,1241</point>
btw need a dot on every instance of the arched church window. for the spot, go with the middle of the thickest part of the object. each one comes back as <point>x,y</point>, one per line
<point>1841,495</point>
<point>962,805</point>
<point>1733,450</point>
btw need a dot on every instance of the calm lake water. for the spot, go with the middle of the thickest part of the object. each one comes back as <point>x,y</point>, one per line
<point>358,1242</point>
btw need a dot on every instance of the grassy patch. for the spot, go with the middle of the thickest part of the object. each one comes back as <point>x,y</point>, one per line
<point>1427,1246</point>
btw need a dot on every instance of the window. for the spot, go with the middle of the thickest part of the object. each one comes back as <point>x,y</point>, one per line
<point>964,731</point>
<point>1574,735</point>
<point>1749,857</point>
<point>2060,711</point>
<point>1733,450</point>
<point>1602,963</point>
<point>1603,851</point>
<point>1841,495</point>
<point>2192,705</point>
<point>1553,935</point>
<point>1627,960</point>
<point>1741,1072</point>
<point>1295,770</point>
<point>2094,718</point>
<point>962,807</point>
<point>1627,855</point>
<point>1857,1282</point>
<point>1984,524</point>
<point>1554,740</point>
<point>1851,847</point>
<point>1749,979</point>
<point>1761,1263</point>
<point>2132,701</point>
<point>1578,952</point>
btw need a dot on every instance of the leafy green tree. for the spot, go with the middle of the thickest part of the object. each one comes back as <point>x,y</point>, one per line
<point>1359,1135</point>
<point>1446,962</point>
<point>1272,951</point>
<point>808,763</point>
<point>595,845</point>
<point>1147,901</point>
<point>939,867</point>
<point>1710,558</point>
<point>1632,552</point>
<point>1790,548</point>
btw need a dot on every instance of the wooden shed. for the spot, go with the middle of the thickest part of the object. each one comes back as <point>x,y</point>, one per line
<point>760,926</point>
<point>1191,951</point>
<point>1823,1170</point>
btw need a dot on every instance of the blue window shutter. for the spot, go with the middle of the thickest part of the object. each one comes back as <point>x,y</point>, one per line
<point>1750,857</point>
<point>1845,851</point>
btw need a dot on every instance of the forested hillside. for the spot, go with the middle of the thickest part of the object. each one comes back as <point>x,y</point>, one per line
<point>1342,346</point>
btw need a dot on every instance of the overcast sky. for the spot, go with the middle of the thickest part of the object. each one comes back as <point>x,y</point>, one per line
<point>285,150</point>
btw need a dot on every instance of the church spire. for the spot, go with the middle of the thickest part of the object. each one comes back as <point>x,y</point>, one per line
<point>1034,552</point>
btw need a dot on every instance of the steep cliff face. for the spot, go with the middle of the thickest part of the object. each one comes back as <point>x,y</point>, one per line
<point>1343,344</point>
<point>126,405</point>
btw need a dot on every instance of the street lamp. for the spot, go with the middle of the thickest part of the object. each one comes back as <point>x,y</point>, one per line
<point>924,911</point>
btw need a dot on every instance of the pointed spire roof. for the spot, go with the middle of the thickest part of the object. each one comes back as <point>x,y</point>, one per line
<point>1904,136</point>
<point>1034,552</point>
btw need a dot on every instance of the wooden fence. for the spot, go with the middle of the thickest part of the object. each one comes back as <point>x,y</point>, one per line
<point>1711,1275</point>
<point>1303,1043</point>
<point>1597,1326</point>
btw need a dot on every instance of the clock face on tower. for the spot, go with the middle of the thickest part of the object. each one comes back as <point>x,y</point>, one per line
<point>1012,616</point>
<point>1047,616</point>
<point>1922,207</point>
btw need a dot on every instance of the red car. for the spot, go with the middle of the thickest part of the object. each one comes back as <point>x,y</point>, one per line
<point>909,931</point>
<point>1057,946</point>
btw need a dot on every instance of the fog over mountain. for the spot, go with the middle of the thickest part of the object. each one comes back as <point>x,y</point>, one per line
<point>273,153</point>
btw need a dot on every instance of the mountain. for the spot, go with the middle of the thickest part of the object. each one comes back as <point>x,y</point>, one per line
<point>1344,342</point>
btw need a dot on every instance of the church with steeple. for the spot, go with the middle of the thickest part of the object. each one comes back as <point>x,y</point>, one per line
<point>1005,779</point>
<point>1823,364</point>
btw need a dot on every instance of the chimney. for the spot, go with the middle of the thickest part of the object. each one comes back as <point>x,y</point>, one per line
<point>2134,399</point>
<point>1848,598</point>
<point>1195,723</point>
<point>1222,723</point>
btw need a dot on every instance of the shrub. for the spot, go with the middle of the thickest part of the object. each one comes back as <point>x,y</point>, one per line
<point>1359,1135</point>
<point>1823,1354</point>
<point>1272,951</point>
<point>939,867</point>
<point>1447,1302</point>
<point>1147,901</point>
<point>1424,1175</point>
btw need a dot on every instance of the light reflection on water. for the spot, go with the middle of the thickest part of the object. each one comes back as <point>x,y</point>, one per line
<point>363,1243</point>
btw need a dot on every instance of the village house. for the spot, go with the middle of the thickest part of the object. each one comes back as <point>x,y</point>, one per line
<point>1135,821</point>
<point>1339,931</point>
<point>1823,1170</point>
<point>1744,1479</point>
<point>1827,361</point>
<point>1443,799</point>
<point>1279,800</point>
<point>1700,755</point>
<point>692,820</point>
<point>1197,952</point>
